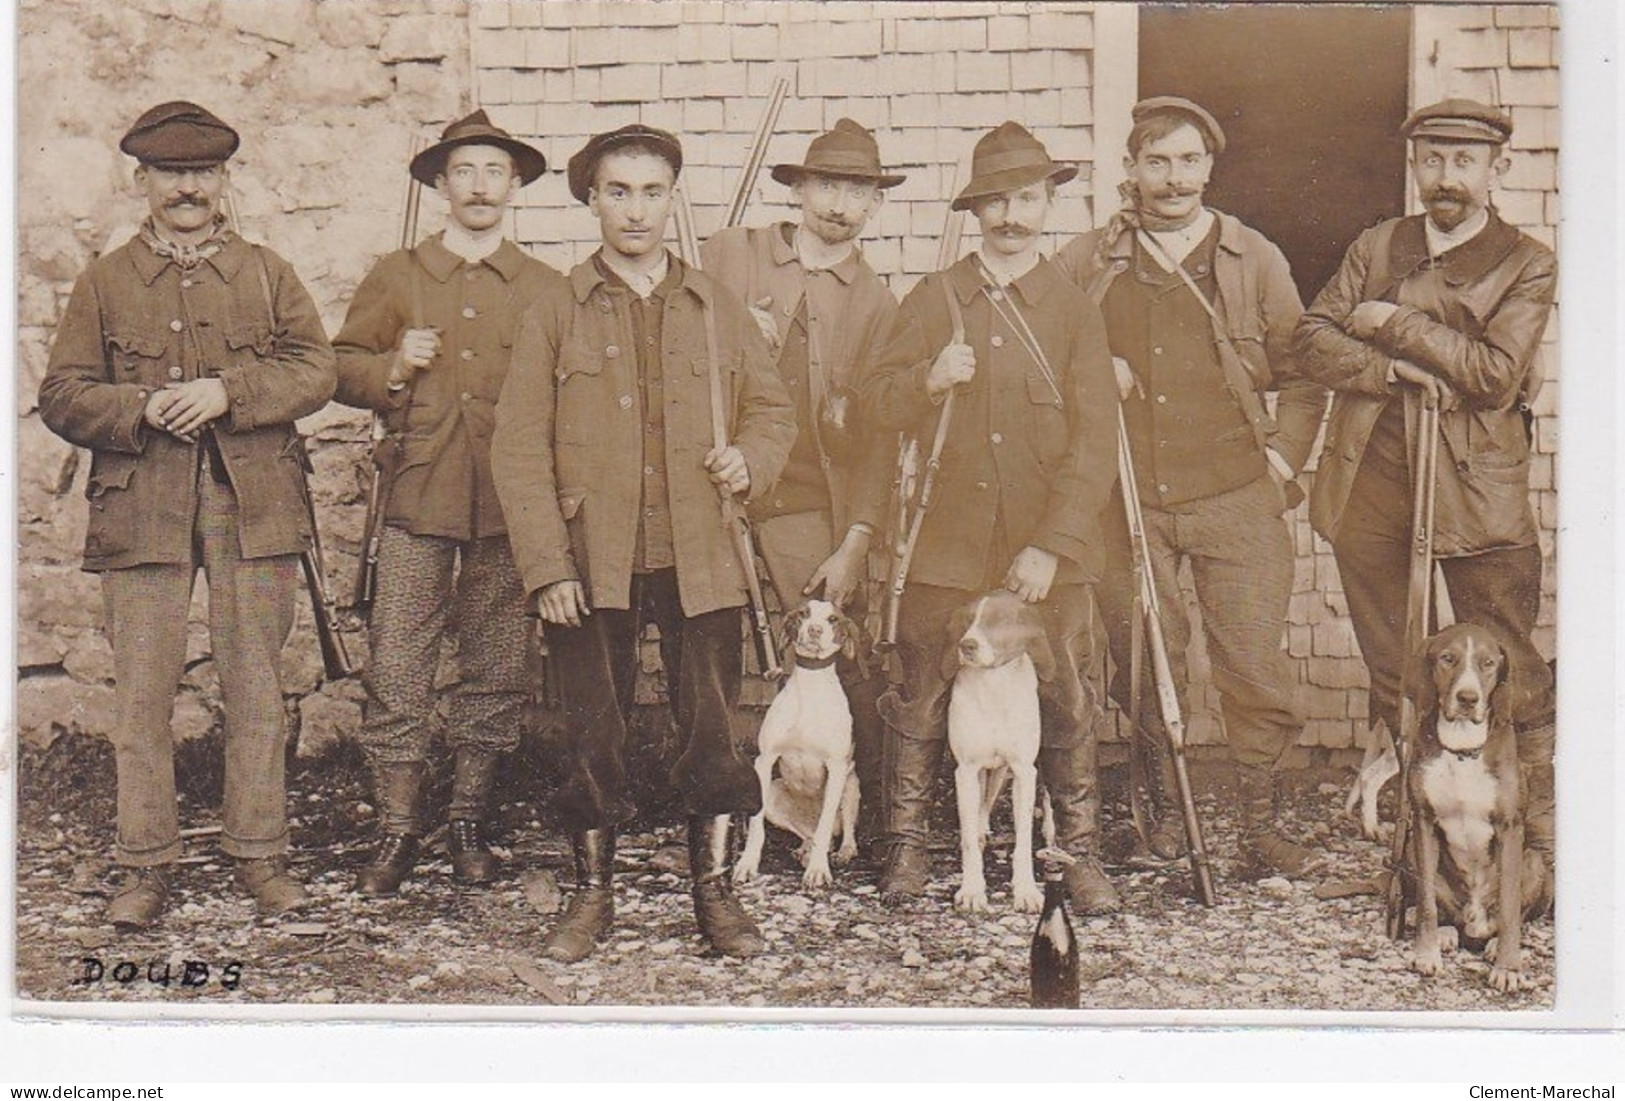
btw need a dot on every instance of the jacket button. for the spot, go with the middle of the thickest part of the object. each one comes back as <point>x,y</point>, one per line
<point>1162,487</point>
<point>997,341</point>
<point>466,396</point>
<point>997,437</point>
<point>626,401</point>
<point>176,326</point>
<point>175,373</point>
<point>470,312</point>
<point>186,284</point>
<point>612,351</point>
<point>981,485</point>
<point>1463,466</point>
<point>466,354</point>
<point>1119,265</point>
<point>996,294</point>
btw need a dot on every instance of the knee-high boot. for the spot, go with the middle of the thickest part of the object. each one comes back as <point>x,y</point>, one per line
<point>912,776</point>
<point>721,918</point>
<point>396,787</point>
<point>1261,839</point>
<point>471,780</point>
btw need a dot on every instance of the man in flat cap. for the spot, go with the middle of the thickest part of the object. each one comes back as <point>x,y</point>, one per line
<point>1451,302</point>
<point>1200,310</point>
<point>606,468</point>
<point>181,363</point>
<point>425,345</point>
<point>1029,460</point>
<point>826,313</point>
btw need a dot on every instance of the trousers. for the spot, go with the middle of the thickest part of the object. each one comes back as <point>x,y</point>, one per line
<point>427,584</point>
<point>597,665</point>
<point>1241,561</point>
<point>251,608</point>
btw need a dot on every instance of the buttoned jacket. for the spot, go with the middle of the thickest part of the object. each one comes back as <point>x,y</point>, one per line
<point>1258,308</point>
<point>137,322</point>
<point>444,416</point>
<point>567,454</point>
<point>1474,317</point>
<point>850,312</point>
<point>1045,458</point>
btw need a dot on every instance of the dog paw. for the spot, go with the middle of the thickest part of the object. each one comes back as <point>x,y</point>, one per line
<point>846,854</point>
<point>1028,897</point>
<point>817,874</point>
<point>1428,963</point>
<point>1509,981</point>
<point>744,873</point>
<point>972,900</point>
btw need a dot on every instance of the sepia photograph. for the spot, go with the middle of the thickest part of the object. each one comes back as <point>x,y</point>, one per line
<point>752,510</point>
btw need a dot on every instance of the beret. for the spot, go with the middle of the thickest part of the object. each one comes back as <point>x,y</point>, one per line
<point>1459,120</point>
<point>1179,105</point>
<point>582,167</point>
<point>180,135</point>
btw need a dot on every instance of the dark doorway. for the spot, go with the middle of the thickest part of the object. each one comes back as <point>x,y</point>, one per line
<point>1310,98</point>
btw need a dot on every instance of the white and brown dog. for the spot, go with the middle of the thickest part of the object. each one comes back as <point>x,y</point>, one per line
<point>997,654</point>
<point>1468,793</point>
<point>807,733</point>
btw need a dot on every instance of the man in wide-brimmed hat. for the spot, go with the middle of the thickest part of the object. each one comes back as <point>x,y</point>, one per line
<point>1452,300</point>
<point>1029,461</point>
<point>826,314</point>
<point>1215,469</point>
<point>181,363</point>
<point>425,345</point>
<point>606,466</point>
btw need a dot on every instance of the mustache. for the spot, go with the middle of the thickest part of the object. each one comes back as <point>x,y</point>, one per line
<point>1175,192</point>
<point>1433,194</point>
<point>1013,229</point>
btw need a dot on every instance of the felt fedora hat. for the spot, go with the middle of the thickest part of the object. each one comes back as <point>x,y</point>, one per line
<point>1006,158</point>
<point>179,134</point>
<point>584,164</point>
<point>477,129</point>
<point>847,150</point>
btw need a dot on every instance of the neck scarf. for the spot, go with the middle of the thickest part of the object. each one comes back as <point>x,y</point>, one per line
<point>186,257</point>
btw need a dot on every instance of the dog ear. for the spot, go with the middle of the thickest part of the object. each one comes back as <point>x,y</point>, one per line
<point>792,627</point>
<point>849,634</point>
<point>1425,690</point>
<point>1502,695</point>
<point>1043,655</point>
<point>958,624</point>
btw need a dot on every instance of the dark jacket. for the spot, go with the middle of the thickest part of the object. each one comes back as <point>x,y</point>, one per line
<point>1474,318</point>
<point>1258,307</point>
<point>1045,462</point>
<point>443,418</point>
<point>850,312</point>
<point>567,454</point>
<point>136,322</point>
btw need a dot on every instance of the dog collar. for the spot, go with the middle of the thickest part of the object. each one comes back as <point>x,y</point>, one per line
<point>1465,754</point>
<point>816,663</point>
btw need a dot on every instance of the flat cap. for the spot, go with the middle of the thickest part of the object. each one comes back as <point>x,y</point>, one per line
<point>1179,105</point>
<point>584,165</point>
<point>477,129</point>
<point>180,135</point>
<point>1459,120</point>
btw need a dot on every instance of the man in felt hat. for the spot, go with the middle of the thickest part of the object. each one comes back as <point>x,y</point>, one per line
<point>1200,310</point>
<point>1030,457</point>
<point>425,345</point>
<point>826,314</point>
<point>181,363</point>
<point>1452,301</point>
<point>606,468</point>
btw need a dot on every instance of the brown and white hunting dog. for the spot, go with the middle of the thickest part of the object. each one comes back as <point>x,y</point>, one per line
<point>997,654</point>
<point>1469,797</point>
<point>807,733</point>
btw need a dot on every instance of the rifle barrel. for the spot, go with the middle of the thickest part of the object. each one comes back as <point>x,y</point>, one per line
<point>757,152</point>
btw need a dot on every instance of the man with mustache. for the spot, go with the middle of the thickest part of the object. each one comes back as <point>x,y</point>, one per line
<point>1200,311</point>
<point>1028,463</point>
<point>425,346</point>
<point>181,363</point>
<point>607,469</point>
<point>1451,302</point>
<point>826,313</point>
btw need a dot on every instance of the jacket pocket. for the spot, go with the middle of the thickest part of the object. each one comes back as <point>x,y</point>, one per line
<point>138,357</point>
<point>254,338</point>
<point>112,525</point>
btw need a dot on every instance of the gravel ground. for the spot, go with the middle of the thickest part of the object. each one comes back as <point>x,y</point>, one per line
<point>1269,944</point>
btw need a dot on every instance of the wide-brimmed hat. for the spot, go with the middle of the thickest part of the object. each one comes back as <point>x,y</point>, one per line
<point>1007,158</point>
<point>1459,120</point>
<point>847,150</point>
<point>584,164</point>
<point>1179,105</point>
<point>179,134</point>
<point>477,129</point>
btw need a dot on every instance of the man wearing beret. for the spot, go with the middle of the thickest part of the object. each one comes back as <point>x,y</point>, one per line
<point>826,313</point>
<point>425,345</point>
<point>1029,460</point>
<point>1452,302</point>
<point>1200,311</point>
<point>181,363</point>
<point>605,465</point>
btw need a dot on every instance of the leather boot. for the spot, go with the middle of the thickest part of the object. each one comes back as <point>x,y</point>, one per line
<point>397,785</point>
<point>1256,789</point>
<point>1536,752</point>
<point>472,774</point>
<point>275,891</point>
<point>141,901</point>
<point>721,918</point>
<point>1070,778</point>
<point>592,908</point>
<point>913,778</point>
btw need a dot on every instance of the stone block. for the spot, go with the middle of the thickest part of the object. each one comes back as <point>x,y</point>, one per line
<point>1008,32</point>
<point>701,42</point>
<point>982,72</point>
<point>1479,84</point>
<point>486,13</point>
<point>356,26</point>
<point>285,21</point>
<point>1530,87</point>
<point>1474,49</point>
<point>421,38</point>
<point>629,84</point>
<point>1525,15</point>
<point>328,78</point>
<point>1077,106</point>
<point>51,705</point>
<point>1063,30</point>
<point>548,48</point>
<point>1530,48</point>
<point>754,42</point>
<point>325,719</point>
<point>57,595</point>
<point>39,649</point>
<point>499,48</point>
<point>1034,71</point>
<point>596,46</point>
<point>701,115</point>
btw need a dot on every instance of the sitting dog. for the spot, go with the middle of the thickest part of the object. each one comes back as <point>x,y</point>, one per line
<point>1469,798</point>
<point>807,733</point>
<point>998,653</point>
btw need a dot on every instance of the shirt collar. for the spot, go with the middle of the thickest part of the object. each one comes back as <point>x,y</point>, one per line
<point>589,275</point>
<point>783,250</point>
<point>1441,241</point>
<point>641,283</point>
<point>967,280</point>
<point>441,263</point>
<point>1466,263</point>
<point>466,245</point>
